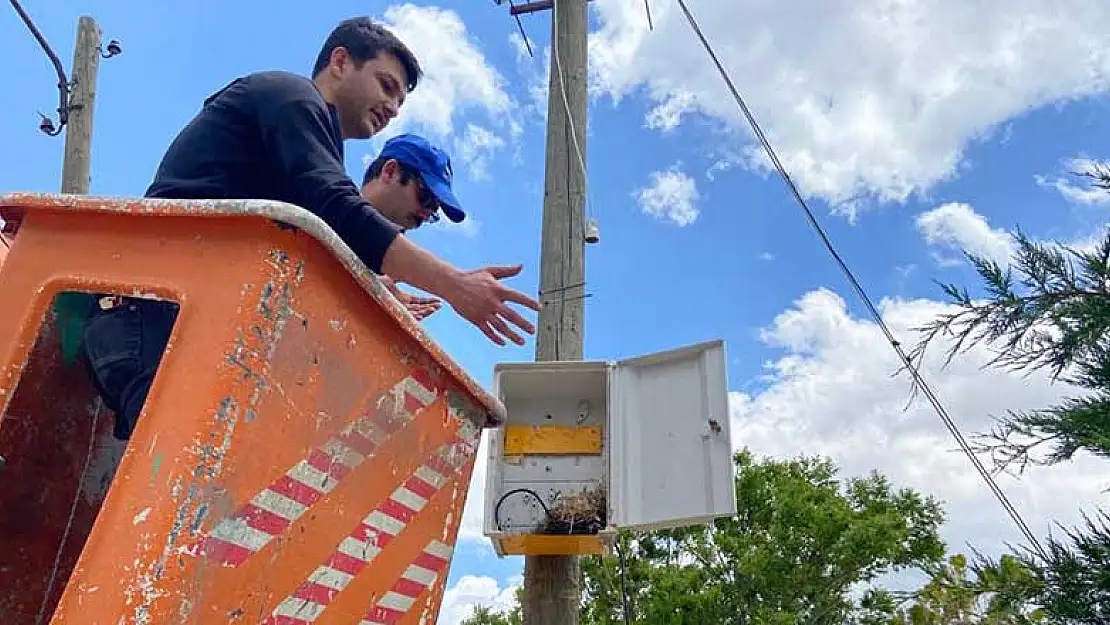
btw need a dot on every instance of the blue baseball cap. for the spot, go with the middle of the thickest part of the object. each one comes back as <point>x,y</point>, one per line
<point>433,166</point>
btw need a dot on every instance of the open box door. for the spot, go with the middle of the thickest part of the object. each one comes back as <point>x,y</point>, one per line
<point>671,440</point>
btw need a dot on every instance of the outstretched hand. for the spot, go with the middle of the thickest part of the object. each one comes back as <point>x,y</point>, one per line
<point>479,297</point>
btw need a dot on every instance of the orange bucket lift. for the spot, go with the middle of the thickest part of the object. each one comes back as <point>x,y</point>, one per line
<point>303,455</point>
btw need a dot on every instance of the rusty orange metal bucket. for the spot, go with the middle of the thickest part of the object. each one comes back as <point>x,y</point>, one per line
<point>303,455</point>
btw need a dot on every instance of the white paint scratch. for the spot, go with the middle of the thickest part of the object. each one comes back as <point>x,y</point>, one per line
<point>141,516</point>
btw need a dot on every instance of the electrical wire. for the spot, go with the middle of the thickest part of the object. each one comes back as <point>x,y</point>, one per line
<point>566,106</point>
<point>551,524</point>
<point>520,27</point>
<point>522,490</point>
<point>941,411</point>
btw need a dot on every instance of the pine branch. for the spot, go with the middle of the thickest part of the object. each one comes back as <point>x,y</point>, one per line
<point>1049,309</point>
<point>1073,426</point>
<point>1099,174</point>
<point>1059,319</point>
<point>1075,575</point>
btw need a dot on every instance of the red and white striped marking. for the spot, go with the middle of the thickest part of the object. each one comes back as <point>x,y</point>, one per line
<point>276,507</point>
<point>376,530</point>
<point>417,578</point>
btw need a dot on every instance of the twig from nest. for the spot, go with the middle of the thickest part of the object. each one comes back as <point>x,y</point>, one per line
<point>581,512</point>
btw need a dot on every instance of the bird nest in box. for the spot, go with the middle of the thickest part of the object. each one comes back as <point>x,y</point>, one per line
<point>581,512</point>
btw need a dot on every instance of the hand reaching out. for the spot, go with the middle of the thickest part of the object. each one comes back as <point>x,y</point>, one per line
<point>480,298</point>
<point>477,296</point>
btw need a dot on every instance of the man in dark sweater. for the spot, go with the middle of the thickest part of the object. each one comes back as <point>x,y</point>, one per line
<point>279,136</point>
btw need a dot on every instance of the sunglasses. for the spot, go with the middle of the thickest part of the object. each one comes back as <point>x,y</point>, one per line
<point>427,201</point>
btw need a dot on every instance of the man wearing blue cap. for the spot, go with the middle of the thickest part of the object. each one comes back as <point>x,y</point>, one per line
<point>278,135</point>
<point>410,184</point>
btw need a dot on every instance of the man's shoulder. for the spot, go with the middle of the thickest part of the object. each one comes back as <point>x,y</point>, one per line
<point>277,86</point>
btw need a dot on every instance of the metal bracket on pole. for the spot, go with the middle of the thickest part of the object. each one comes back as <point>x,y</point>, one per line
<point>531,7</point>
<point>64,86</point>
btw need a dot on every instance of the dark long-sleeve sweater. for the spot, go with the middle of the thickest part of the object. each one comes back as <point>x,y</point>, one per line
<point>271,136</point>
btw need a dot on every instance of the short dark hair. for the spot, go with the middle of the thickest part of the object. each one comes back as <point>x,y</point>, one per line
<point>364,40</point>
<point>375,170</point>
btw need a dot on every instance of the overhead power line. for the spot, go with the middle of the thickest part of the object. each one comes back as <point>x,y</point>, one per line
<point>941,411</point>
<point>520,27</point>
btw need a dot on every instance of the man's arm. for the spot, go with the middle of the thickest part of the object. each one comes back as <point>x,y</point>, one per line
<point>298,134</point>
<point>477,296</point>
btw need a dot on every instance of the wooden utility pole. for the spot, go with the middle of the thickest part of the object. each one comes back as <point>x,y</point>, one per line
<point>552,586</point>
<point>78,146</point>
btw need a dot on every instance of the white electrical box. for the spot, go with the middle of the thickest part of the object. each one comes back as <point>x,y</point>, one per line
<point>590,447</point>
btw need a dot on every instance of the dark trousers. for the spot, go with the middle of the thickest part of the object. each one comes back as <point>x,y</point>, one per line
<point>122,347</point>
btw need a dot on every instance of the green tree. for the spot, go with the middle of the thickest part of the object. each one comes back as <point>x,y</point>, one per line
<point>962,593</point>
<point>1048,309</point>
<point>801,540</point>
<point>486,616</point>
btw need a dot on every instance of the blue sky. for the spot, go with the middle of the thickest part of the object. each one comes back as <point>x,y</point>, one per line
<point>948,147</point>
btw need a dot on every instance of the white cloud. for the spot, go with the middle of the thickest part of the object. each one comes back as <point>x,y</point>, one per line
<point>868,99</point>
<point>536,71</point>
<point>903,272</point>
<point>1084,194</point>
<point>457,76</point>
<point>667,115</point>
<point>672,195</point>
<point>958,227</point>
<point>832,392</point>
<point>470,591</point>
<point>726,158</point>
<point>523,49</point>
<point>474,149</point>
